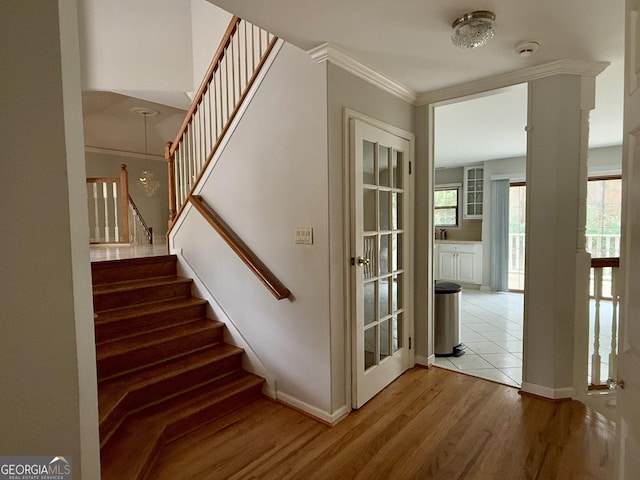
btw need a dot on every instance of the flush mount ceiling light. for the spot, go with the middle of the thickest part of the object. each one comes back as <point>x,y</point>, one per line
<point>473,29</point>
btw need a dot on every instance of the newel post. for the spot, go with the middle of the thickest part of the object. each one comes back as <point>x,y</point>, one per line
<point>124,202</point>
<point>170,157</point>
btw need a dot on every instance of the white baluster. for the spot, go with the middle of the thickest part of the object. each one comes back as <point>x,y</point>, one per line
<point>96,228</point>
<point>595,358</point>
<point>105,196</point>
<point>116,224</point>
<point>613,356</point>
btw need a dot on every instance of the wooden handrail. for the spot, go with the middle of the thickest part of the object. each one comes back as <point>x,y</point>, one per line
<point>613,262</point>
<point>269,280</point>
<point>204,86</point>
<point>147,229</point>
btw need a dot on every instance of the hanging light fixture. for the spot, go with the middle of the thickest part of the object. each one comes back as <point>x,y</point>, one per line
<point>146,179</point>
<point>474,29</point>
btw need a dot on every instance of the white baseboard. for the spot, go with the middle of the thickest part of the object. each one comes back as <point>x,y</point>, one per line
<point>425,361</point>
<point>326,417</point>
<point>548,392</point>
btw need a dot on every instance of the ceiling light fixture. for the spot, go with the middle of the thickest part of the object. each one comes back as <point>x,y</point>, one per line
<point>146,179</point>
<point>474,29</point>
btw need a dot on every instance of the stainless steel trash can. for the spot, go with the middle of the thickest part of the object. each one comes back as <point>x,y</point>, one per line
<point>447,320</point>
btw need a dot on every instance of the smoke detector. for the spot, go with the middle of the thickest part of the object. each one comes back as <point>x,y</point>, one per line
<point>527,48</point>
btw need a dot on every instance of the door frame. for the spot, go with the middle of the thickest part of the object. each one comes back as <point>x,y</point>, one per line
<point>349,304</point>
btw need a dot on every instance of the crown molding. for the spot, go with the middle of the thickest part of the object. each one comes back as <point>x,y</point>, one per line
<point>559,67</point>
<point>329,53</point>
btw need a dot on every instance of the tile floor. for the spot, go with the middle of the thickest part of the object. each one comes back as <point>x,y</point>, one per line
<point>492,331</point>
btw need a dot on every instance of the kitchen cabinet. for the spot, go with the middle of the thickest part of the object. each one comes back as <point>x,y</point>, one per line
<point>458,262</point>
<point>473,195</point>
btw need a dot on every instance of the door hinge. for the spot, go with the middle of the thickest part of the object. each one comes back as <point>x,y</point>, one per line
<point>409,343</point>
<point>410,167</point>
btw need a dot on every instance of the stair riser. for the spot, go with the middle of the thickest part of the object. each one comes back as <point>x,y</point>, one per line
<point>208,414</point>
<point>137,296</point>
<point>143,356</point>
<point>126,327</point>
<point>151,394</point>
<point>138,269</point>
<point>211,412</point>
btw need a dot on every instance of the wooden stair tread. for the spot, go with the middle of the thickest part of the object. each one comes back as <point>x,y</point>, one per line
<point>112,392</point>
<point>128,285</point>
<point>110,271</point>
<point>155,337</point>
<point>129,452</point>
<point>124,313</point>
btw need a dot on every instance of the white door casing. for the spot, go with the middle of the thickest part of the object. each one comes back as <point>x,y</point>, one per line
<point>628,461</point>
<point>380,266</point>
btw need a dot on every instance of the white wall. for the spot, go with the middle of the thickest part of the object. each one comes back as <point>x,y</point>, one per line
<point>154,209</point>
<point>271,178</point>
<point>47,349</point>
<point>156,34</point>
<point>348,91</point>
<point>208,24</point>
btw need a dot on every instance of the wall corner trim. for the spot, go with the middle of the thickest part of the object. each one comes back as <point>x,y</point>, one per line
<point>323,416</point>
<point>329,53</point>
<point>559,67</point>
<point>425,361</point>
<point>548,392</point>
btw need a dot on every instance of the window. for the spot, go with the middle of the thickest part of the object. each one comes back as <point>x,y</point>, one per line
<point>446,206</point>
<point>604,199</point>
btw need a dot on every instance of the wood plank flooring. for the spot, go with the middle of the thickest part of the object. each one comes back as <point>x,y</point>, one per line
<point>428,424</point>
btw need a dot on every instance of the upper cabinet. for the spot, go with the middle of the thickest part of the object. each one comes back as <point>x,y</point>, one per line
<point>473,192</point>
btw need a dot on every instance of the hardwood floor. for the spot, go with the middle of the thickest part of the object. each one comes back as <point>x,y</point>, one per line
<point>428,424</point>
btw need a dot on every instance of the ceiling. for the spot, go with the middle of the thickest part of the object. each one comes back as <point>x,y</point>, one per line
<point>408,40</point>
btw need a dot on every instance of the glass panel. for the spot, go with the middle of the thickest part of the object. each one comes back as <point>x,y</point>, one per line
<point>396,211</point>
<point>383,298</point>
<point>370,302</point>
<point>384,254</point>
<point>368,163</point>
<point>370,251</point>
<point>385,339</point>
<point>397,333</point>
<point>396,252</point>
<point>396,292</point>
<point>471,174</point>
<point>384,210</point>
<point>370,347</point>
<point>397,169</point>
<point>369,210</point>
<point>383,166</point>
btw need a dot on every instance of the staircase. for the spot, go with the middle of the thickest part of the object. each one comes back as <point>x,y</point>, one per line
<point>163,368</point>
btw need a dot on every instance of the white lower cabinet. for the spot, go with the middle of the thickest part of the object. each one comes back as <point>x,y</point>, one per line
<point>459,262</point>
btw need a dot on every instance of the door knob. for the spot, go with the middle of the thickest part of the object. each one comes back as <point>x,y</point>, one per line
<point>363,261</point>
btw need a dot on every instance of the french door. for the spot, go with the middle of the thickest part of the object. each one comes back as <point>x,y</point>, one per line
<point>380,265</point>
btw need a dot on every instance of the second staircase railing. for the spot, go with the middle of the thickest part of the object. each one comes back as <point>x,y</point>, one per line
<point>235,66</point>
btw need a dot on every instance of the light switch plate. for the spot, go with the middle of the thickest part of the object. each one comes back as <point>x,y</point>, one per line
<point>304,235</point>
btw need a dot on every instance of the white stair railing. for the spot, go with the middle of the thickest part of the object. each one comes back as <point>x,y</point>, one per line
<point>113,215</point>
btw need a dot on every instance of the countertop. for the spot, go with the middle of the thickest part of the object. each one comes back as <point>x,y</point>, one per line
<point>458,241</point>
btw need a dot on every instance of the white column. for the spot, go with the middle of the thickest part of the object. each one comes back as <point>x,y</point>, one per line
<point>557,263</point>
